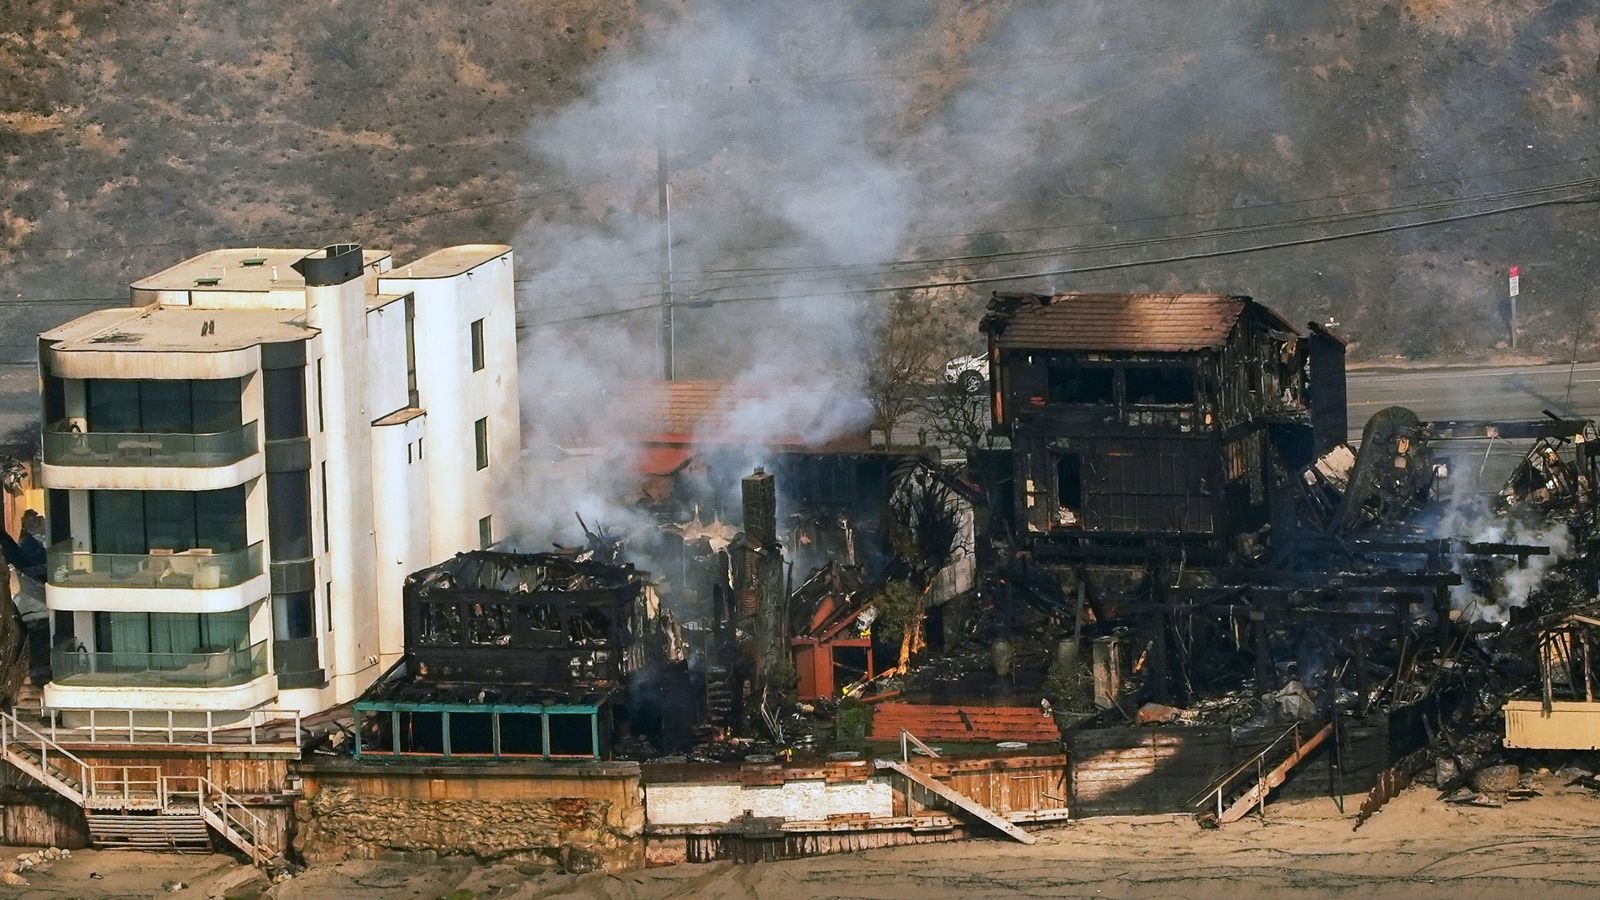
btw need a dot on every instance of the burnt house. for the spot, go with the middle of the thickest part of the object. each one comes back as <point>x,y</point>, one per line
<point>520,655</point>
<point>1135,417</point>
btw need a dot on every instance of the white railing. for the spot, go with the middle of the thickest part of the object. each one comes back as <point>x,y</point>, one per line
<point>15,731</point>
<point>243,828</point>
<point>256,727</point>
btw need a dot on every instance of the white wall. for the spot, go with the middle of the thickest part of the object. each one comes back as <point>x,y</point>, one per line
<point>706,804</point>
<point>386,359</point>
<point>350,651</point>
<point>400,512</point>
<point>455,397</point>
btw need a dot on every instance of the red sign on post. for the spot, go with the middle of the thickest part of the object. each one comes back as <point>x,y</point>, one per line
<point>1514,283</point>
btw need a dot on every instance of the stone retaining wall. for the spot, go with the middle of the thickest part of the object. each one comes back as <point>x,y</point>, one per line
<point>577,820</point>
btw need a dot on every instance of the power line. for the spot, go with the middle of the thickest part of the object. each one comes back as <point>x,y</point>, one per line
<point>1106,267</point>
<point>816,273</point>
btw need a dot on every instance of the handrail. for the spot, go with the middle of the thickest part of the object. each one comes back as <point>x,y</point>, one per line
<point>259,850</point>
<point>1219,786</point>
<point>907,739</point>
<point>62,446</point>
<point>11,729</point>
<point>169,732</point>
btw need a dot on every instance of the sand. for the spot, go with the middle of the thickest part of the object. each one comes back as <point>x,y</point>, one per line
<point>1417,848</point>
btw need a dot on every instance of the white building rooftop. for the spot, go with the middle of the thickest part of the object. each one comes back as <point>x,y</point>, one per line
<point>178,328</point>
<point>449,262</point>
<point>240,269</point>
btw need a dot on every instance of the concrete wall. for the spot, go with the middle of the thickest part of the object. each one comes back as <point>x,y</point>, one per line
<point>350,653</point>
<point>386,359</point>
<point>459,494</point>
<point>400,514</point>
<point>701,804</point>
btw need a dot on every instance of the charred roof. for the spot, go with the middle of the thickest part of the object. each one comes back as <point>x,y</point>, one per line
<point>1151,323</point>
<point>524,573</point>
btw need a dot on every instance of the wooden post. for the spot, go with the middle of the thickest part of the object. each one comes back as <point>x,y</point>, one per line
<point>1588,671</point>
<point>1263,648</point>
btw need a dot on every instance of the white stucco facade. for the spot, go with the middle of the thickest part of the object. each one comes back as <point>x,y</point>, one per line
<point>242,467</point>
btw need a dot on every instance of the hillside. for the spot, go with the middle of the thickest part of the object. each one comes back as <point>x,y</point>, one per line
<point>811,142</point>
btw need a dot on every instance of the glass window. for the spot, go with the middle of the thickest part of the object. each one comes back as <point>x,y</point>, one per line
<point>480,435</point>
<point>164,407</point>
<point>293,616</point>
<point>116,521</point>
<point>485,532</point>
<point>113,405</point>
<point>169,520</point>
<point>289,514</point>
<point>477,346</point>
<point>216,405</point>
<point>219,519</point>
<point>284,395</point>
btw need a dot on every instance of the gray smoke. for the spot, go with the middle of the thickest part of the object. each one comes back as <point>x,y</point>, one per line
<point>809,143</point>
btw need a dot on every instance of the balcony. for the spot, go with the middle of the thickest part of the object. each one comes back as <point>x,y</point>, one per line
<point>214,669</point>
<point>148,449</point>
<point>198,569</point>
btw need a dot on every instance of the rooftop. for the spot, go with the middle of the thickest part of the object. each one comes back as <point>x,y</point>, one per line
<point>1157,323</point>
<point>239,269</point>
<point>168,328</point>
<point>450,261</point>
<point>709,412</point>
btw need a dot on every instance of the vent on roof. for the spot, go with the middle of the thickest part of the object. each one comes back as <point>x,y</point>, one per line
<point>253,261</point>
<point>208,280</point>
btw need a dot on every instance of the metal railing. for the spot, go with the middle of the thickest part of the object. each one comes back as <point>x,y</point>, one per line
<point>243,828</point>
<point>64,447</point>
<point>120,668</point>
<point>1255,765</point>
<point>196,569</point>
<point>262,727</point>
<point>14,734</point>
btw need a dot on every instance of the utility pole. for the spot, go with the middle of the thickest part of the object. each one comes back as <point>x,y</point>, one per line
<point>664,217</point>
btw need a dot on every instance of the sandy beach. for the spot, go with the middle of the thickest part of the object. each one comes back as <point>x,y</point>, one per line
<point>1417,847</point>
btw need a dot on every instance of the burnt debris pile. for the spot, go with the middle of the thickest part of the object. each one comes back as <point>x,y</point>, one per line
<point>1175,538</point>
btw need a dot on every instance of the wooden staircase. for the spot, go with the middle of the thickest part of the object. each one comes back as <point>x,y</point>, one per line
<point>174,831</point>
<point>137,806</point>
<point>1231,797</point>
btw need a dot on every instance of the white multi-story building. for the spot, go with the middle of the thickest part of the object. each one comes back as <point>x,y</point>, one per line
<point>242,467</point>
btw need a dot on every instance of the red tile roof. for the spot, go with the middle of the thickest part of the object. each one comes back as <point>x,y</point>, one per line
<point>1159,323</point>
<point>708,412</point>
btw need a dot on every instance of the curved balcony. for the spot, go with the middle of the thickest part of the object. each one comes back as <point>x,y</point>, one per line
<point>183,581</point>
<point>121,460</point>
<point>220,668</point>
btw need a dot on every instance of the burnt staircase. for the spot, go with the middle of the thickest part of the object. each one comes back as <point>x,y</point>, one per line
<point>1246,786</point>
<point>137,806</point>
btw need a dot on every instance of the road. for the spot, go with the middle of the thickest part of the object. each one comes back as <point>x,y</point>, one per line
<point>1508,393</point>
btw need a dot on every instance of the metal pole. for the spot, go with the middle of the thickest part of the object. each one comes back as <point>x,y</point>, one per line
<point>664,216</point>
